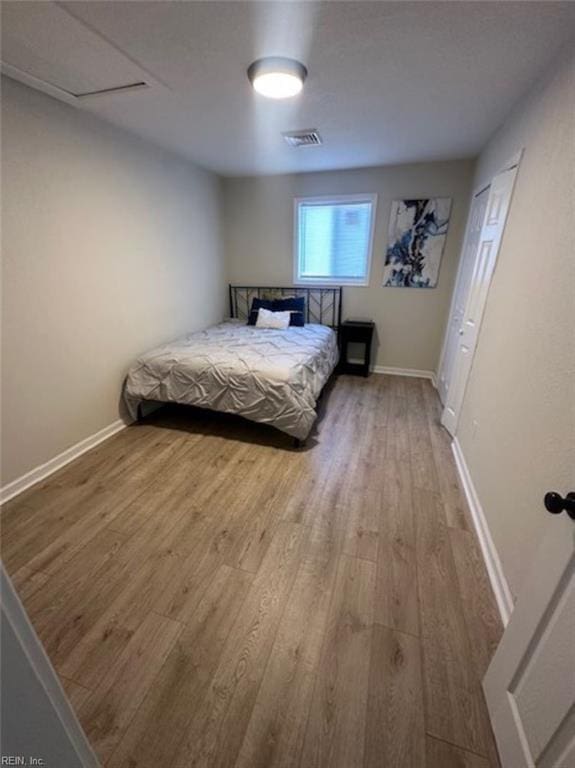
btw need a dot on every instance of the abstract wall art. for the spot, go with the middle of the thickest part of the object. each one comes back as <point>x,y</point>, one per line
<point>417,231</point>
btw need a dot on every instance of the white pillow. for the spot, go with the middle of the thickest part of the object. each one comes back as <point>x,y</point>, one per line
<point>269,319</point>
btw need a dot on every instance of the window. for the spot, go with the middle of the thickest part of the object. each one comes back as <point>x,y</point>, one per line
<point>333,239</point>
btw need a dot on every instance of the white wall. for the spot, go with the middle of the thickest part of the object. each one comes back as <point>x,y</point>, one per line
<point>521,391</point>
<point>259,247</point>
<point>110,246</point>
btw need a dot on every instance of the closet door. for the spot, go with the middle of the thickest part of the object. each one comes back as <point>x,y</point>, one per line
<point>468,256</point>
<point>498,204</point>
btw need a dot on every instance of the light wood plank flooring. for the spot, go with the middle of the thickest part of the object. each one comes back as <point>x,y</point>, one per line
<point>212,597</point>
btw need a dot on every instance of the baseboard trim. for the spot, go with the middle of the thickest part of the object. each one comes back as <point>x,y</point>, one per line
<point>415,372</point>
<point>44,470</point>
<point>490,555</point>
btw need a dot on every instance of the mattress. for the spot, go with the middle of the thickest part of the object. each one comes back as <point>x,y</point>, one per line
<point>266,375</point>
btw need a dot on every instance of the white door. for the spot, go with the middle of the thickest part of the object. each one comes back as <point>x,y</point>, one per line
<point>530,683</point>
<point>489,241</point>
<point>40,720</point>
<point>468,254</point>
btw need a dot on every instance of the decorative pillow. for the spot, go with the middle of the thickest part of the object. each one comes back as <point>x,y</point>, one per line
<point>269,319</point>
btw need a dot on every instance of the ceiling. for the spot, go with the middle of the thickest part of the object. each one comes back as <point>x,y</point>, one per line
<point>389,82</point>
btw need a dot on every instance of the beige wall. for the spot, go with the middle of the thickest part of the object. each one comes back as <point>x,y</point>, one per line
<point>259,247</point>
<point>521,391</point>
<point>110,246</point>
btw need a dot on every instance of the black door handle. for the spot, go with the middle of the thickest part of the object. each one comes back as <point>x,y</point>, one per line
<point>555,503</point>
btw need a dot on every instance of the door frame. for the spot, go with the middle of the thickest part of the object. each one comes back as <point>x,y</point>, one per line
<point>514,162</point>
<point>476,192</point>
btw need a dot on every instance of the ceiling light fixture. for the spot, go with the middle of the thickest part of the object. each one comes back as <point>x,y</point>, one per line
<point>277,77</point>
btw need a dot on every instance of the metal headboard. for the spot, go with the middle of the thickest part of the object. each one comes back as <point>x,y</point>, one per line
<point>323,304</point>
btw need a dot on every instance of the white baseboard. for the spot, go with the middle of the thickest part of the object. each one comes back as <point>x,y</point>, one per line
<point>44,470</point>
<point>490,556</point>
<point>415,372</point>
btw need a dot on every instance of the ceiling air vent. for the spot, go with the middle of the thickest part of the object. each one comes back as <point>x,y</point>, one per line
<point>309,138</point>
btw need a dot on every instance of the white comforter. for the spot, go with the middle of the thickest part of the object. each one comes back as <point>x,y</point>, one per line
<point>266,375</point>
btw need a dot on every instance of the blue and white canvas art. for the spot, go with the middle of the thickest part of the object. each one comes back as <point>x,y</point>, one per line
<point>417,231</point>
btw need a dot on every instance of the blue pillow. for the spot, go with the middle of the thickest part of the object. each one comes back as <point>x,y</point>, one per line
<point>297,319</point>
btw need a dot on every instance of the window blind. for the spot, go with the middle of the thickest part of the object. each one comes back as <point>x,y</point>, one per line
<point>334,240</point>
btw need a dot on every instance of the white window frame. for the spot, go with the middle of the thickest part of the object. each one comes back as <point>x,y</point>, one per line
<point>327,200</point>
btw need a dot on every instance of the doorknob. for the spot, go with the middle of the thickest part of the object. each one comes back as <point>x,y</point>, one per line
<point>461,331</point>
<point>555,503</point>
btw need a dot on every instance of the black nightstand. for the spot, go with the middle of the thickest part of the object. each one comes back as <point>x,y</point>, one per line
<point>355,332</point>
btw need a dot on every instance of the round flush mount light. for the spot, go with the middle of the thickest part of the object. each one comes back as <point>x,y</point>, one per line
<point>277,77</point>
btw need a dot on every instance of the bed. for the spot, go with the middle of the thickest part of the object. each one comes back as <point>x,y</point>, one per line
<point>266,375</point>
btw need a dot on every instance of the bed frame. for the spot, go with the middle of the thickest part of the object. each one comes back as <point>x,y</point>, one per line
<point>323,304</point>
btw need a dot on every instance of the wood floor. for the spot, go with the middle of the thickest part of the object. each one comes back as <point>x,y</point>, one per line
<point>212,597</point>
